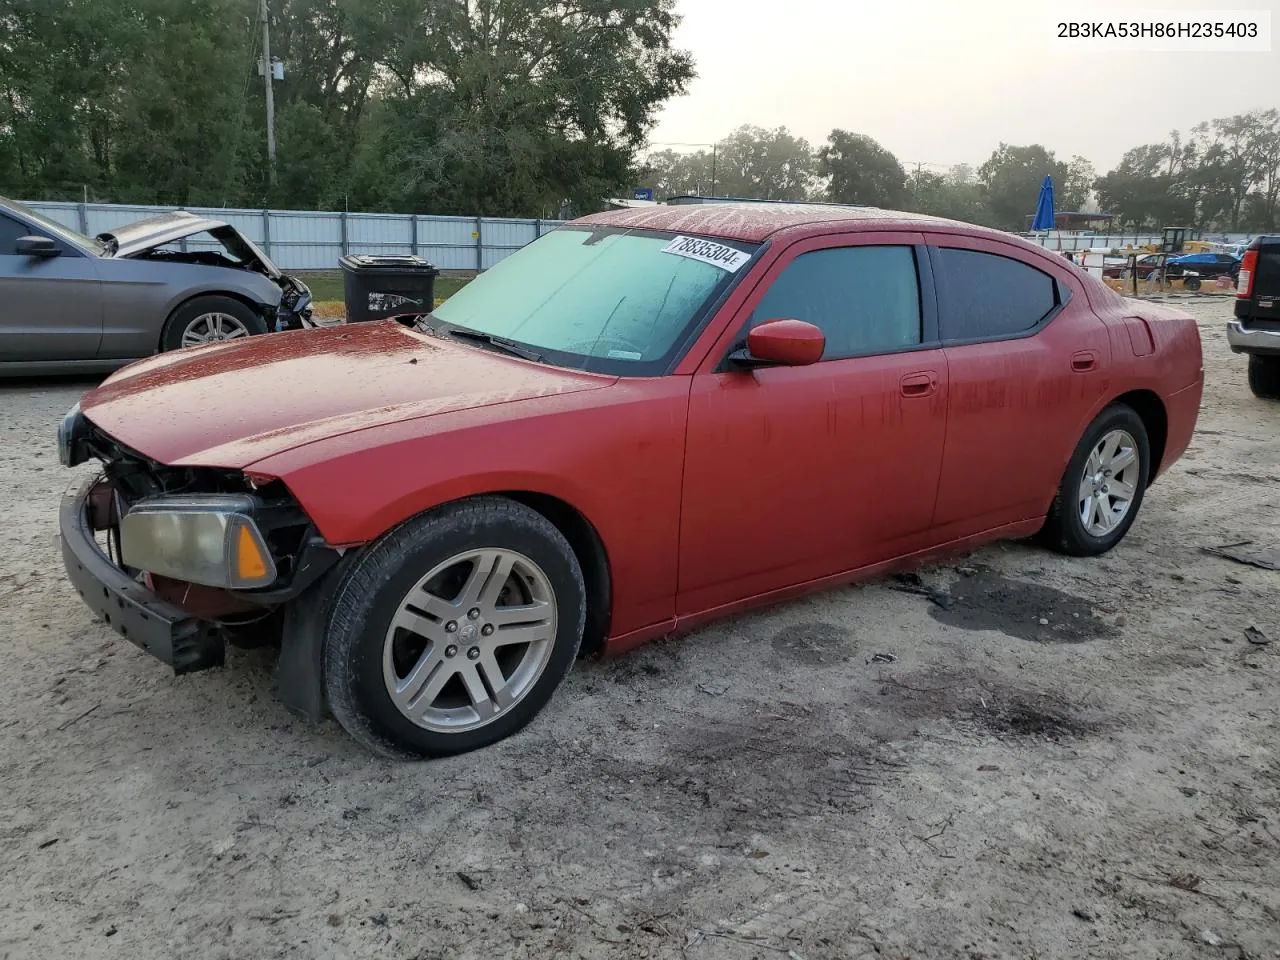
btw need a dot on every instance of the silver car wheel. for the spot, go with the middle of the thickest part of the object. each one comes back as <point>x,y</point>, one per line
<point>469,640</point>
<point>213,328</point>
<point>1109,483</point>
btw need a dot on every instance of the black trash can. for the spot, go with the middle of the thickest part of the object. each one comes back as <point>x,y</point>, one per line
<point>393,286</point>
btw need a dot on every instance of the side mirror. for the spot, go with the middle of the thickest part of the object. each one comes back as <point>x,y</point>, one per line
<point>788,343</point>
<point>36,247</point>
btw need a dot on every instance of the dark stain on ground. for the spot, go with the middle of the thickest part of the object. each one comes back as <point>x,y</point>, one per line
<point>986,600</point>
<point>812,642</point>
<point>986,705</point>
<point>1020,716</point>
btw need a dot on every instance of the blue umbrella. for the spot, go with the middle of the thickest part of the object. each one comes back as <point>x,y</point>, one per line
<point>1044,207</point>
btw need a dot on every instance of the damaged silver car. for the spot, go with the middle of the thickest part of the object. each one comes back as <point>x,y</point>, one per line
<point>70,302</point>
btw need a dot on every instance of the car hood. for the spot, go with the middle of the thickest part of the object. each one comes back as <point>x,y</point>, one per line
<point>135,238</point>
<point>155,231</point>
<point>233,404</point>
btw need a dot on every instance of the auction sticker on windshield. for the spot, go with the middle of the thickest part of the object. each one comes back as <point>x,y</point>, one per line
<point>716,254</point>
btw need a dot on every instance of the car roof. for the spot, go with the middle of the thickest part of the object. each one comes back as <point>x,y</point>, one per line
<point>755,222</point>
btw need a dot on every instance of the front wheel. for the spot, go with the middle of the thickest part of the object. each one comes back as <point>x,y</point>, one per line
<point>1102,487</point>
<point>1264,377</point>
<point>203,320</point>
<point>454,630</point>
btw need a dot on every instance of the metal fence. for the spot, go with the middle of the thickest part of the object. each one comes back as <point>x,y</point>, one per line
<point>1085,241</point>
<point>314,240</point>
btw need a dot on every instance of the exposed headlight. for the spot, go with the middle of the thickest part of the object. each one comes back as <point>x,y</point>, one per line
<point>68,430</point>
<point>206,539</point>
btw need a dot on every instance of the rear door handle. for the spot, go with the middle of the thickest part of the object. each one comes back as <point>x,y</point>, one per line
<point>1084,361</point>
<point>921,384</point>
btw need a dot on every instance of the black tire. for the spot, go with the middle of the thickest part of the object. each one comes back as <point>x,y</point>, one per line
<point>190,312</point>
<point>1064,530</point>
<point>1191,283</point>
<point>1264,377</point>
<point>373,589</point>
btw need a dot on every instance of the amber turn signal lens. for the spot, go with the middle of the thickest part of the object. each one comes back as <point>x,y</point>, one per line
<point>251,565</point>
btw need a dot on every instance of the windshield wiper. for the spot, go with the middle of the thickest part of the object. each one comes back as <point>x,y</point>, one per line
<point>501,343</point>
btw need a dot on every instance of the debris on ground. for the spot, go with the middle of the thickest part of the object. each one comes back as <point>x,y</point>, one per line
<point>912,583</point>
<point>1248,553</point>
<point>882,658</point>
<point>1256,637</point>
<point>713,690</point>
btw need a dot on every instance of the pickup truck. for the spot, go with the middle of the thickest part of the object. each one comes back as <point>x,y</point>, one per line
<point>1256,328</point>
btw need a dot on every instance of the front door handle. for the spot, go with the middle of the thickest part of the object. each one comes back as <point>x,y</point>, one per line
<point>1084,361</point>
<point>922,384</point>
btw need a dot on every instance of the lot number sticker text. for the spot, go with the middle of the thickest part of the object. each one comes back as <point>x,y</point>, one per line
<point>716,254</point>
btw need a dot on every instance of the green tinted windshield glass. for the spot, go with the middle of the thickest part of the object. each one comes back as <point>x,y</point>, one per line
<point>609,300</point>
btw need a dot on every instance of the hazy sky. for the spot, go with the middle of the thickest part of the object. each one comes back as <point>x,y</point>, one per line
<point>944,81</point>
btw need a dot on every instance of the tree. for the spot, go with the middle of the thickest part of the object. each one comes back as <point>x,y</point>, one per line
<point>764,165</point>
<point>1077,185</point>
<point>467,106</point>
<point>673,174</point>
<point>1011,178</point>
<point>858,170</point>
<point>943,196</point>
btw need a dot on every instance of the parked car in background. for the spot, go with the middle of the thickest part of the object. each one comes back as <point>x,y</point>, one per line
<point>1193,268</point>
<point>643,421</point>
<point>1255,331</point>
<point>72,302</point>
<point>1144,265</point>
<point>1204,265</point>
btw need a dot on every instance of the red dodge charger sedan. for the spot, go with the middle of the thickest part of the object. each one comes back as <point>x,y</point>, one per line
<point>645,420</point>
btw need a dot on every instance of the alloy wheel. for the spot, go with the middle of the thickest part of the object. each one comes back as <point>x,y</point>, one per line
<point>1109,483</point>
<point>469,640</point>
<point>213,328</point>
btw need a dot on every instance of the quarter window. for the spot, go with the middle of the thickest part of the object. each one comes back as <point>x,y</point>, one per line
<point>987,296</point>
<point>865,299</point>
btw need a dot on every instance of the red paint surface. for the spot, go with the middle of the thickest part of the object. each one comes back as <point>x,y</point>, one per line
<point>711,491</point>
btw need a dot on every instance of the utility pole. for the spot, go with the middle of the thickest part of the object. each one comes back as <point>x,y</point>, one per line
<point>267,76</point>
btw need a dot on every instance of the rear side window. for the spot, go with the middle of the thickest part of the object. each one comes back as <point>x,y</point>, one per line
<point>987,296</point>
<point>866,300</point>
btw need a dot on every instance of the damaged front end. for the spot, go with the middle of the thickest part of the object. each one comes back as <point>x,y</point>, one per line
<point>182,560</point>
<point>182,237</point>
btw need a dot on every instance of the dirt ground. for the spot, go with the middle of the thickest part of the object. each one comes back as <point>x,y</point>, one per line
<point>1066,759</point>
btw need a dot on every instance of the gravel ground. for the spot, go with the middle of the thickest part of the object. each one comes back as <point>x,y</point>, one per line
<point>1067,758</point>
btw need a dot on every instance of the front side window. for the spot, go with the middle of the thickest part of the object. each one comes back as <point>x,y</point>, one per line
<point>865,299</point>
<point>67,238</point>
<point>988,296</point>
<point>10,231</point>
<point>609,300</point>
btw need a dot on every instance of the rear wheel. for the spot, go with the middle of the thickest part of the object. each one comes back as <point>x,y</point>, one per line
<point>210,320</point>
<point>454,629</point>
<point>1102,487</point>
<point>1264,377</point>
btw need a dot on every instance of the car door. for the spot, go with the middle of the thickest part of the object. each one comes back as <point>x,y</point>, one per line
<point>796,473</point>
<point>1028,360</point>
<point>50,306</point>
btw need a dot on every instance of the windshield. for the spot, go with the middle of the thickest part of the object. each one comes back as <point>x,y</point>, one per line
<point>609,300</point>
<point>55,228</point>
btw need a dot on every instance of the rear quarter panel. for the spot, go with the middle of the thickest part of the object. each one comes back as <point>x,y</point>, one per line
<point>616,455</point>
<point>1162,353</point>
<point>139,295</point>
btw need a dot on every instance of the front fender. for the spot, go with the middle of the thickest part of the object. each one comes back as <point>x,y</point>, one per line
<point>615,456</point>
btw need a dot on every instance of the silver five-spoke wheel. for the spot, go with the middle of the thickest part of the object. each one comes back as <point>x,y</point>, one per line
<point>213,328</point>
<point>469,640</point>
<point>1110,481</point>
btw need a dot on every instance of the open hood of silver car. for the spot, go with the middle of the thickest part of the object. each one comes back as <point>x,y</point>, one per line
<point>135,238</point>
